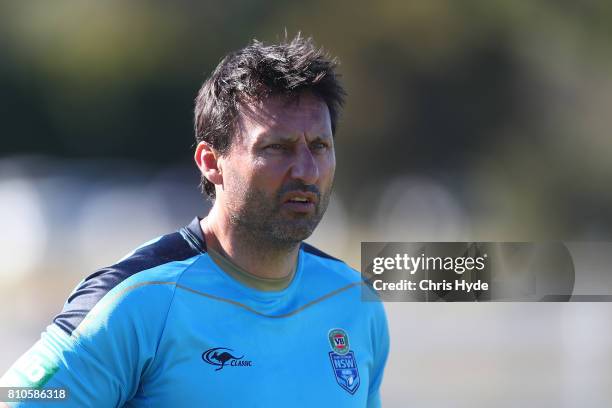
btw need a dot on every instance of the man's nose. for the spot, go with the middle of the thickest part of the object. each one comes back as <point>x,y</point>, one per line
<point>305,166</point>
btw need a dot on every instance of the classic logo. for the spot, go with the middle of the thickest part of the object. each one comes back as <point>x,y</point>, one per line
<point>338,340</point>
<point>343,361</point>
<point>221,356</point>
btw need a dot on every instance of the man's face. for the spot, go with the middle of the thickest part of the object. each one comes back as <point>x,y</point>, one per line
<point>279,171</point>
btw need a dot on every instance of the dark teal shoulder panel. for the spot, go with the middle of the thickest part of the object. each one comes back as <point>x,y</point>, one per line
<point>317,252</point>
<point>173,247</point>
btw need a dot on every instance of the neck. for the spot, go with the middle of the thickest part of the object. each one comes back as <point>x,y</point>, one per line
<point>258,257</point>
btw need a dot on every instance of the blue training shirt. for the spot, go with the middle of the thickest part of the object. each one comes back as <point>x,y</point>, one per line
<point>165,326</point>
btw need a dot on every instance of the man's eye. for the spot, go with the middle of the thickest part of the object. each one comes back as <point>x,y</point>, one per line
<point>319,145</point>
<point>275,146</point>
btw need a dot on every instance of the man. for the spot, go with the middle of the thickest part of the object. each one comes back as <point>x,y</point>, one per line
<point>234,309</point>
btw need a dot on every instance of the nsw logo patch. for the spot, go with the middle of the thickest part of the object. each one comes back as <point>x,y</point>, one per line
<point>343,361</point>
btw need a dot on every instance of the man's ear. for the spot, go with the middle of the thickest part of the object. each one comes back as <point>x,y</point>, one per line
<point>207,160</point>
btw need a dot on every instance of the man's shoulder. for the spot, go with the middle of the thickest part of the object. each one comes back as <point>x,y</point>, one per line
<point>156,265</point>
<point>332,267</point>
<point>324,258</point>
<point>333,278</point>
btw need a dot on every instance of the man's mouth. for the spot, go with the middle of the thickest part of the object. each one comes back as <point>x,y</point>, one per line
<point>300,201</point>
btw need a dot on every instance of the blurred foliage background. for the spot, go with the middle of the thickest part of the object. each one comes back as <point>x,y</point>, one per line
<point>466,120</point>
<point>503,104</point>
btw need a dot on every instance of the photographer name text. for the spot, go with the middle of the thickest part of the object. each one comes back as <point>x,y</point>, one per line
<point>427,284</point>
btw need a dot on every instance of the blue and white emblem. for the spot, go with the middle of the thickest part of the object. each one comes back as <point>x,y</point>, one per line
<point>345,370</point>
<point>343,363</point>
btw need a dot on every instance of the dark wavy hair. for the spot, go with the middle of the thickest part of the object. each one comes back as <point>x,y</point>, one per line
<point>256,72</point>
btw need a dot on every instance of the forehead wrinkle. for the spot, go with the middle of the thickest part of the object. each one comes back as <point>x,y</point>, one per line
<point>282,117</point>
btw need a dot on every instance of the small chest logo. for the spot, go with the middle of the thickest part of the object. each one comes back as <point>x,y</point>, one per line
<point>221,357</point>
<point>343,361</point>
<point>338,340</point>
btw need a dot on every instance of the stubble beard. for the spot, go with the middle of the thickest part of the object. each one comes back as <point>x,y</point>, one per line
<point>261,219</point>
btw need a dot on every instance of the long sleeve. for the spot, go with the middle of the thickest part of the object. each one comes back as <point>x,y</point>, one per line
<point>380,339</point>
<point>101,362</point>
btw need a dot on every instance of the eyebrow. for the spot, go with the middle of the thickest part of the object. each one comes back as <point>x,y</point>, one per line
<point>284,137</point>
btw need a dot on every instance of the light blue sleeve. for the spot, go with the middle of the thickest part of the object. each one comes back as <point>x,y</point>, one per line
<point>381,352</point>
<point>100,364</point>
